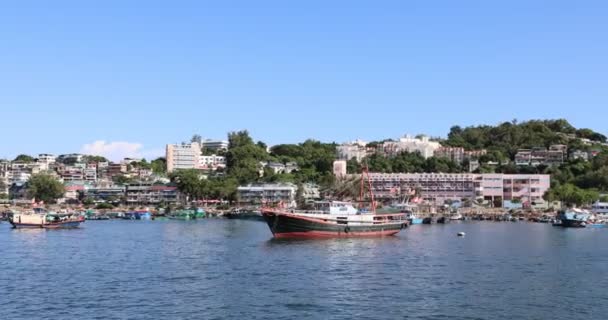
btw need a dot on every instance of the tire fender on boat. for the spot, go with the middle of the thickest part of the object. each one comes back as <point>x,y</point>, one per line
<point>346,229</point>
<point>403,225</point>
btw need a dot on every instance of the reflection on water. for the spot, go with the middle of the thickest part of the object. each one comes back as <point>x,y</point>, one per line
<point>233,269</point>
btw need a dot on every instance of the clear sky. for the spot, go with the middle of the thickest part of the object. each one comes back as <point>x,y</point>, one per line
<point>139,74</point>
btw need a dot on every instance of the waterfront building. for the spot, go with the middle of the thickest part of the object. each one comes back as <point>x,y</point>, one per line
<point>106,193</point>
<point>438,188</point>
<point>422,145</point>
<point>149,194</point>
<point>183,156</point>
<point>255,194</point>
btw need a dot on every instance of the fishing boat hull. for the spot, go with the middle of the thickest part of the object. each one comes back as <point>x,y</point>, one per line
<point>284,225</point>
<point>63,225</point>
<point>71,224</point>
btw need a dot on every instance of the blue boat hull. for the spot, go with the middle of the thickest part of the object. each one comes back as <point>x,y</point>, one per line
<point>417,221</point>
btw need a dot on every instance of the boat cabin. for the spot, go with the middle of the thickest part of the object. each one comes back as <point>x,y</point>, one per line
<point>335,207</point>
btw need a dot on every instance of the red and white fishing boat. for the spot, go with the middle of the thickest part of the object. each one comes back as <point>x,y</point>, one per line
<point>333,219</point>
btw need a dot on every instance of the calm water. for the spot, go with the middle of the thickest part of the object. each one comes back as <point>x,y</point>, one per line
<point>226,269</point>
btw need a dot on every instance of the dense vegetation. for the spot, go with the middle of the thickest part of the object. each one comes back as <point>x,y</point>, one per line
<point>44,187</point>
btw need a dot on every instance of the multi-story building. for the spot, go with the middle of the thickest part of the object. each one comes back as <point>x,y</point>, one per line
<point>340,168</point>
<point>90,172</point>
<point>183,156</point>
<point>214,145</point>
<point>278,167</point>
<point>45,161</point>
<point>353,150</point>
<point>422,145</point>
<point>212,162</point>
<point>106,193</point>
<point>436,188</point>
<point>4,173</point>
<point>457,154</point>
<point>267,193</point>
<point>555,155</point>
<point>149,194</point>
<point>72,174</point>
<point>116,169</point>
<point>70,158</point>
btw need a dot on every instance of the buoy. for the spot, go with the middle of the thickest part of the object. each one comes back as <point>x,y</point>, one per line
<point>461,234</point>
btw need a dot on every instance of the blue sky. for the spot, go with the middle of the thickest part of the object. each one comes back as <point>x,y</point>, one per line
<point>140,74</point>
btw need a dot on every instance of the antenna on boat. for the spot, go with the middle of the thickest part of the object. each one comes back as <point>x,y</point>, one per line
<point>365,174</point>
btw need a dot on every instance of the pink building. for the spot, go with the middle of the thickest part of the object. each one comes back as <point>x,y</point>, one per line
<point>499,190</point>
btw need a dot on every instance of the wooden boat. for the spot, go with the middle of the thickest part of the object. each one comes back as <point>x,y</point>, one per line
<point>331,219</point>
<point>46,221</point>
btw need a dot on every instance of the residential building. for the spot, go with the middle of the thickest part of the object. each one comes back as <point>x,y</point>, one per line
<point>90,172</point>
<point>555,155</point>
<point>353,150</point>
<point>183,156</point>
<point>437,188</point>
<point>311,192</point>
<point>149,194</point>
<point>578,154</point>
<point>267,193</point>
<point>116,169</point>
<point>70,158</point>
<point>72,174</point>
<point>72,192</point>
<point>4,173</point>
<point>457,154</point>
<point>278,167</point>
<point>212,162</point>
<point>423,145</point>
<point>340,168</point>
<point>215,145</point>
<point>144,173</point>
<point>45,161</point>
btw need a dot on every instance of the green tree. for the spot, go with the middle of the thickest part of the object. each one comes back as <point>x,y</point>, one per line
<point>122,179</point>
<point>159,165</point>
<point>88,202</point>
<point>189,182</point>
<point>44,187</point>
<point>243,157</point>
<point>24,158</point>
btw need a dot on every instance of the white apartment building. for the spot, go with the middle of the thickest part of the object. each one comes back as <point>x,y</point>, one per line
<point>356,149</point>
<point>212,162</point>
<point>183,156</point>
<point>422,145</point>
<point>45,160</point>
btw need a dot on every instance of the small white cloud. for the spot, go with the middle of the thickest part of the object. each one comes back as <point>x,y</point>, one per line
<point>118,150</point>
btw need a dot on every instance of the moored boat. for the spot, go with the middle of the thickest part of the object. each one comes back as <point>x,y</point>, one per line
<point>574,218</point>
<point>331,219</point>
<point>46,221</point>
